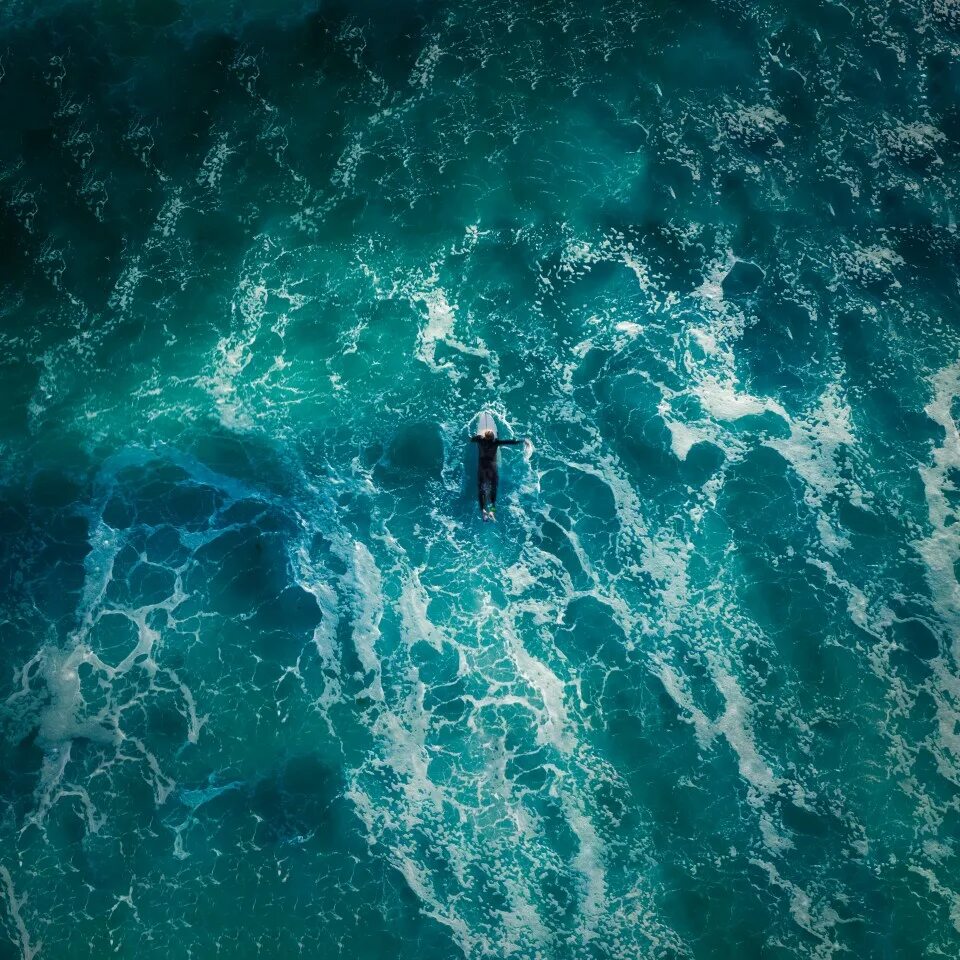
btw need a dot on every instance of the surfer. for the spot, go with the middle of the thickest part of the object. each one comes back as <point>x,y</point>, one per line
<point>487,475</point>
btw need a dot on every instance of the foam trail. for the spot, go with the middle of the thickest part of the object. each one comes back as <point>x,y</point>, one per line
<point>14,906</point>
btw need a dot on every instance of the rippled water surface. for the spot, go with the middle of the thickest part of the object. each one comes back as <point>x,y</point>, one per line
<point>268,685</point>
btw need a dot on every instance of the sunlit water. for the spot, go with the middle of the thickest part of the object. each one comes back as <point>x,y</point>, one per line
<point>269,686</point>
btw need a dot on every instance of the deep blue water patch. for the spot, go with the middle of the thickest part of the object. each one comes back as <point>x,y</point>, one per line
<point>268,685</point>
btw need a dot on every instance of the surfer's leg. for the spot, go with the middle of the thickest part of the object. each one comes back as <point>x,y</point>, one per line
<point>494,480</point>
<point>482,490</point>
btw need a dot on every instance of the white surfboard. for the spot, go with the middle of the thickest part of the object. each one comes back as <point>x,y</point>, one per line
<point>486,422</point>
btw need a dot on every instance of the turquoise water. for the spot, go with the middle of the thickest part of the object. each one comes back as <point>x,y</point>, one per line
<point>269,686</point>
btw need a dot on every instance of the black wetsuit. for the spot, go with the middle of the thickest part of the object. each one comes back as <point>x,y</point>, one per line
<point>487,476</point>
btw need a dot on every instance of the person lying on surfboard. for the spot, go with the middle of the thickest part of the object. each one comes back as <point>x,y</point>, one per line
<point>487,475</point>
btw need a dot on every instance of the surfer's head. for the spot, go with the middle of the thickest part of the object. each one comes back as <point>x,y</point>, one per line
<point>488,434</point>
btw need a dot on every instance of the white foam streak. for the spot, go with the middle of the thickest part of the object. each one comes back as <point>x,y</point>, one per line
<point>736,726</point>
<point>316,583</point>
<point>589,862</point>
<point>364,581</point>
<point>15,905</point>
<point>816,443</point>
<point>413,611</point>
<point>818,922</point>
<point>678,687</point>
<point>553,728</point>
<point>941,549</point>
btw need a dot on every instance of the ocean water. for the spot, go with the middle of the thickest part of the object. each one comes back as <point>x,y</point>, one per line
<point>269,688</point>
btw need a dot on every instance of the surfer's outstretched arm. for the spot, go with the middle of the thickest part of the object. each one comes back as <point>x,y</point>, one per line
<point>510,443</point>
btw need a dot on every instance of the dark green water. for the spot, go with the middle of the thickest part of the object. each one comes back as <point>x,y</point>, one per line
<point>269,688</point>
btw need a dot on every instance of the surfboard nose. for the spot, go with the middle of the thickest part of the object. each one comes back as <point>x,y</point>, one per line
<point>485,422</point>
